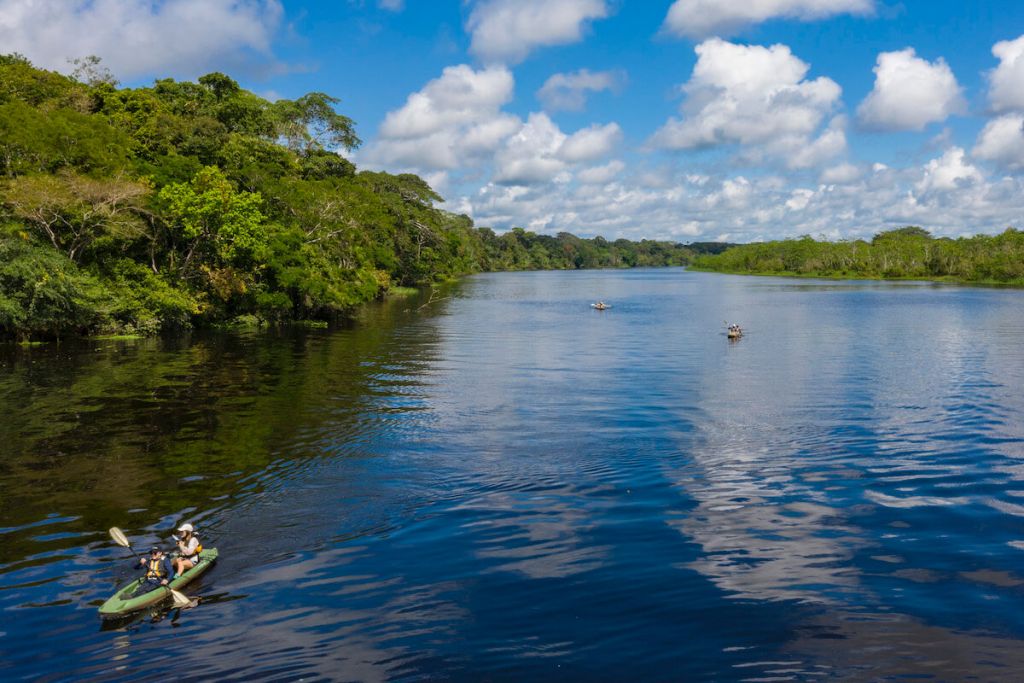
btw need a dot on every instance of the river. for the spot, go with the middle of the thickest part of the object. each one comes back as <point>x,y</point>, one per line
<point>494,481</point>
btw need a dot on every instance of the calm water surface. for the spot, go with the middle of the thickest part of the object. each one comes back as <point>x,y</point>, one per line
<point>497,482</point>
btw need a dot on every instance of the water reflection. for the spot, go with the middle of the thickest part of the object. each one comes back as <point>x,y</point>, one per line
<point>504,485</point>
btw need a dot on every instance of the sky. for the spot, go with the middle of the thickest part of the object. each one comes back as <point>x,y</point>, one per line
<point>686,120</point>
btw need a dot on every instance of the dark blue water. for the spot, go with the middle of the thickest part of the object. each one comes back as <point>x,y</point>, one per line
<point>497,482</point>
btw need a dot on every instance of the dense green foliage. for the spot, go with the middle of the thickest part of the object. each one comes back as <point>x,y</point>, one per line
<point>183,204</point>
<point>909,252</point>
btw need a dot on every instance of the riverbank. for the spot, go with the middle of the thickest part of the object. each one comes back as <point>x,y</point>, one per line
<point>909,253</point>
<point>1016,284</point>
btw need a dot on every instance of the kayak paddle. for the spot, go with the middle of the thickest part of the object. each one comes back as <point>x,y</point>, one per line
<point>180,600</point>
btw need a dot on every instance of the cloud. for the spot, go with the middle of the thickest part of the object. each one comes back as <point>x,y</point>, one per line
<point>456,123</point>
<point>801,152</point>
<point>1006,82</point>
<point>392,5</point>
<point>592,143</point>
<point>755,96</point>
<point>1002,142</point>
<point>568,91</point>
<point>948,172</point>
<point>506,31</point>
<point>948,195</point>
<point>540,152</point>
<point>451,121</point>
<point>842,173</point>
<point>531,155</point>
<point>704,18</point>
<point>599,175</point>
<point>910,93</point>
<point>460,96</point>
<point>135,38</point>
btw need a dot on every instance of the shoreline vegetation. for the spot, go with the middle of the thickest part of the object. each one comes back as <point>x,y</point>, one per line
<point>138,211</point>
<point>909,253</point>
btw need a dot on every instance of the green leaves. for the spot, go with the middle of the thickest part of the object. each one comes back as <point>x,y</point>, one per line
<point>34,141</point>
<point>42,293</point>
<point>909,252</point>
<point>310,123</point>
<point>73,211</point>
<point>221,225</point>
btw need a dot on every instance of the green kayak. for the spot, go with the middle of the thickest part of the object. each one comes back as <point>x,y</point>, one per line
<point>128,599</point>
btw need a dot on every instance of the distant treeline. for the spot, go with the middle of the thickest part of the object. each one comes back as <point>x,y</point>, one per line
<point>909,252</point>
<point>183,204</point>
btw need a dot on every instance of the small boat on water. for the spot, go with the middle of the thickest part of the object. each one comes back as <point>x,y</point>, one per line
<point>734,331</point>
<point>129,599</point>
<point>600,305</point>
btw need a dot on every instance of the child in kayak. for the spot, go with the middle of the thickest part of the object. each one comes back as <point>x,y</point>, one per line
<point>189,548</point>
<point>158,567</point>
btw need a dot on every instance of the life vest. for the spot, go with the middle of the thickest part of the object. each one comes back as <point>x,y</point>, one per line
<point>155,570</point>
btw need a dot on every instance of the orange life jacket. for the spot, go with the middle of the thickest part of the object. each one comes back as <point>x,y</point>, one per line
<point>155,570</point>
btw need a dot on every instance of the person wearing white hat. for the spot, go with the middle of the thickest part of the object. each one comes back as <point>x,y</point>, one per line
<point>189,548</point>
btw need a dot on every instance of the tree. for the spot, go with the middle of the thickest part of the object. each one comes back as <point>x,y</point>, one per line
<point>90,71</point>
<point>43,293</point>
<point>310,123</point>
<point>214,222</point>
<point>73,211</point>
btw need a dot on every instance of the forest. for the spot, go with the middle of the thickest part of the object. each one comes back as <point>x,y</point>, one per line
<point>904,253</point>
<point>190,204</point>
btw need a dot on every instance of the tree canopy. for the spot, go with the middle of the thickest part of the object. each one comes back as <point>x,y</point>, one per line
<point>909,252</point>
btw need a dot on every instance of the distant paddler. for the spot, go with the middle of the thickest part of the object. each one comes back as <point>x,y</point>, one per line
<point>734,331</point>
<point>600,305</point>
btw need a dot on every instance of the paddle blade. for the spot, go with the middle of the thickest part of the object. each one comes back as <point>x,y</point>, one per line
<point>180,599</point>
<point>119,537</point>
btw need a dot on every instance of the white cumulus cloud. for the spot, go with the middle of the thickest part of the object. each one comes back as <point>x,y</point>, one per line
<point>1006,91</point>
<point>1002,141</point>
<point>540,152</point>
<point>569,91</point>
<point>703,18</point>
<point>456,123</point>
<point>948,196</point>
<point>451,121</point>
<point>134,38</point>
<point>757,96</point>
<point>910,93</point>
<point>949,172</point>
<point>508,30</point>
<point>592,143</point>
<point>531,155</point>
<point>460,96</point>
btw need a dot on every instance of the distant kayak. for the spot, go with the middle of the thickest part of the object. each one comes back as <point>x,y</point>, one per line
<point>601,306</point>
<point>129,599</point>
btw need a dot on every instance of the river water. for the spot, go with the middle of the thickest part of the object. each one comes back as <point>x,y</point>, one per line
<point>494,481</point>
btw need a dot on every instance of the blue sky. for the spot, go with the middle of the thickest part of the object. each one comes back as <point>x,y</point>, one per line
<point>672,119</point>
